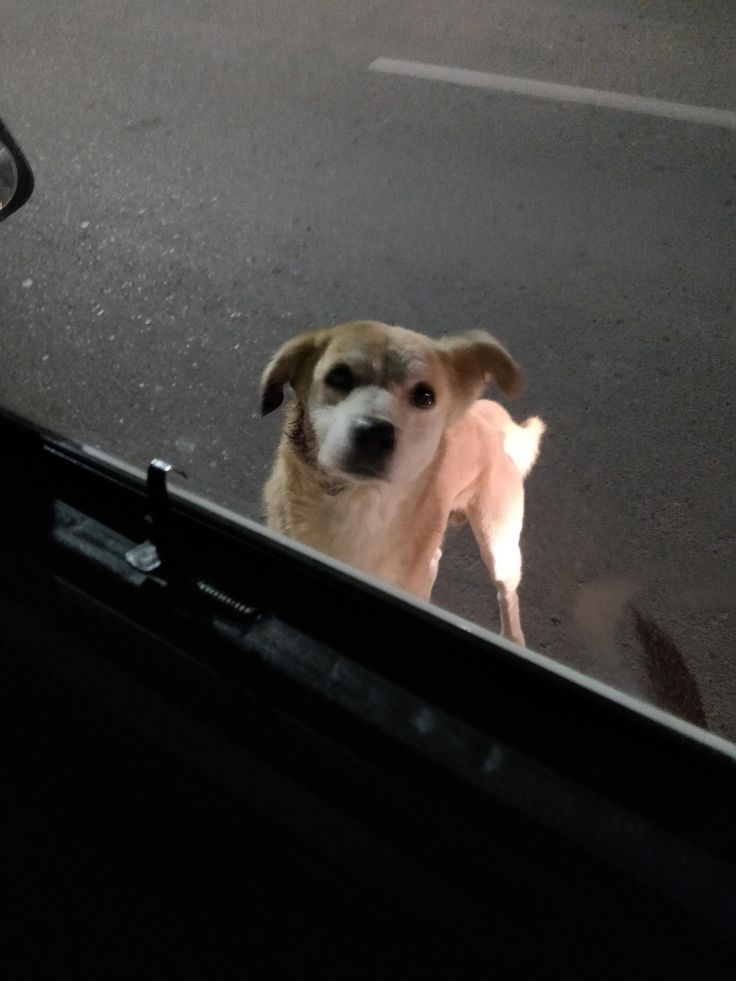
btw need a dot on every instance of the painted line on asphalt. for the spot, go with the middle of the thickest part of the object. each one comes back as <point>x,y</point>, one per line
<point>558,93</point>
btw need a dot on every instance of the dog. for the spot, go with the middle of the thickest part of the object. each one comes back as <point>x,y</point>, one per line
<point>388,441</point>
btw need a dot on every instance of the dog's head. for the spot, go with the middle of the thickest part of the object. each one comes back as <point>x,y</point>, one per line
<point>373,400</point>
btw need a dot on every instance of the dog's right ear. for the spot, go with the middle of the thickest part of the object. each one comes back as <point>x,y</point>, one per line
<point>292,364</point>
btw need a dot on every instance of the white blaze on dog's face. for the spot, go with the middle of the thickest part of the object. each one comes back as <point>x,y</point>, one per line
<point>378,404</point>
<point>373,401</point>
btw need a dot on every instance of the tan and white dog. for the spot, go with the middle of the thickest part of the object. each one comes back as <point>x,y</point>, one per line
<point>387,442</point>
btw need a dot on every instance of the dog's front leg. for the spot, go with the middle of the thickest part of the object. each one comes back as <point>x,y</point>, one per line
<point>434,565</point>
<point>421,580</point>
<point>508,605</point>
<point>499,549</point>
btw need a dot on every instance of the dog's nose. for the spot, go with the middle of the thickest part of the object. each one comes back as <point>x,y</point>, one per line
<point>373,435</point>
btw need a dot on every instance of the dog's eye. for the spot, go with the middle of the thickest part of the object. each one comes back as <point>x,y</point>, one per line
<point>340,378</point>
<point>422,396</point>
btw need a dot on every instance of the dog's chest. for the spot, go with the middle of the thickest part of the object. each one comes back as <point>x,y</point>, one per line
<point>377,531</point>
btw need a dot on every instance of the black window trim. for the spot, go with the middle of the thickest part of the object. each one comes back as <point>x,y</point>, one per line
<point>342,686</point>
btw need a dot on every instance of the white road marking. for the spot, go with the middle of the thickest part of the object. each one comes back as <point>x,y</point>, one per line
<point>558,93</point>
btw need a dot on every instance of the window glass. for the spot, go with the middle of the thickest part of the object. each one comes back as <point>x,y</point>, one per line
<point>213,178</point>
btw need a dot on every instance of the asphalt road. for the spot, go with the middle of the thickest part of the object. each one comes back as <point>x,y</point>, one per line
<point>213,177</point>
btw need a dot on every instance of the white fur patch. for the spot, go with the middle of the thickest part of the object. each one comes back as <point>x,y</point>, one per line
<point>418,431</point>
<point>419,434</point>
<point>333,424</point>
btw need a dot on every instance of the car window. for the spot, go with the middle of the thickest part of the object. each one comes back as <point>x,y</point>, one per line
<point>213,179</point>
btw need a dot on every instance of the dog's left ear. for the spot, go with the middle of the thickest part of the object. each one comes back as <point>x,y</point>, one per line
<point>473,360</point>
<point>292,364</point>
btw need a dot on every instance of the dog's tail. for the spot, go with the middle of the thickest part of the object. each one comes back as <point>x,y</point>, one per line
<point>522,443</point>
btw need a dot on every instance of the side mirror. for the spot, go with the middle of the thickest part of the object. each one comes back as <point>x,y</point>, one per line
<point>16,178</point>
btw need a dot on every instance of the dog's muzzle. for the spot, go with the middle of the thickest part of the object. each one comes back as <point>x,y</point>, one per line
<point>372,443</point>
